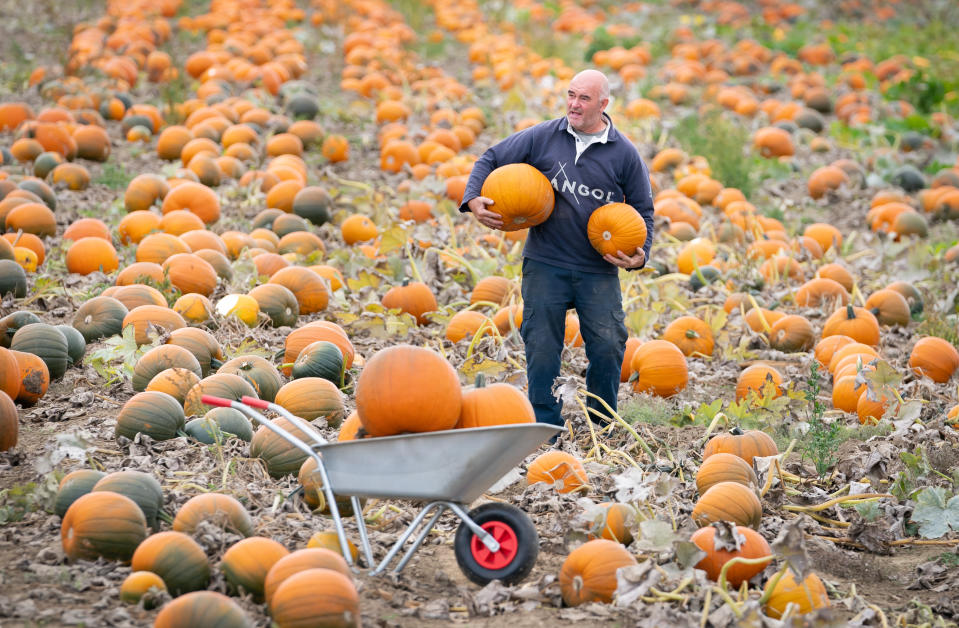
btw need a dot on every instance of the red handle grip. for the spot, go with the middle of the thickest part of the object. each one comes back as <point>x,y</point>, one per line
<point>212,400</point>
<point>254,402</point>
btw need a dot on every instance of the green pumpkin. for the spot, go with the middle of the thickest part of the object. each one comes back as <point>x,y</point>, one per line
<point>320,359</point>
<point>175,557</point>
<point>141,487</point>
<point>73,486</point>
<point>47,343</point>
<point>76,344</point>
<point>10,323</point>
<point>13,279</point>
<point>232,422</point>
<point>154,413</point>
<point>100,317</point>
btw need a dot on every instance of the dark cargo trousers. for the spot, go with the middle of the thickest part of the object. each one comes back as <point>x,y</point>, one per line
<point>548,292</point>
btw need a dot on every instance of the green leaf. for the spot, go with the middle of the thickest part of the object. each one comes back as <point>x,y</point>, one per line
<point>935,513</point>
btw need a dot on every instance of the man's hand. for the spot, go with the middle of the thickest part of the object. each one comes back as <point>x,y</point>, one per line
<point>486,217</point>
<point>626,261</point>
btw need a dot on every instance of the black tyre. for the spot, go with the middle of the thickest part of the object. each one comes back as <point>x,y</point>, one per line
<point>519,545</point>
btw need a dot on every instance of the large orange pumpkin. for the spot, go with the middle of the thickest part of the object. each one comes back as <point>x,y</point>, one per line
<point>616,227</point>
<point>103,524</point>
<point>562,470</point>
<point>744,543</point>
<point>661,367</point>
<point>408,389</point>
<point>494,404</point>
<point>589,573</point>
<point>521,194</point>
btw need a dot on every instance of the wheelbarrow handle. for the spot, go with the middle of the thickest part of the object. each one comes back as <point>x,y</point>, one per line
<point>262,404</point>
<point>212,400</point>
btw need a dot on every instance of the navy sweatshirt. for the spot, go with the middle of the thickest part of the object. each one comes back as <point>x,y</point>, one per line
<point>605,173</point>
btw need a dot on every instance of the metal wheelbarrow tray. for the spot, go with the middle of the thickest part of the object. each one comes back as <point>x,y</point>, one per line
<point>448,469</point>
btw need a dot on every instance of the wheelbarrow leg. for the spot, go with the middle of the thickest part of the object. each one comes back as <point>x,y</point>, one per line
<point>361,524</point>
<point>400,542</point>
<point>419,540</point>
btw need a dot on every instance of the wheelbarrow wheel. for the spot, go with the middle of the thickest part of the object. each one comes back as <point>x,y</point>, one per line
<point>512,529</point>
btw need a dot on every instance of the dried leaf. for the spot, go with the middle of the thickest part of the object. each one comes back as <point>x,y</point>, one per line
<point>791,546</point>
<point>656,536</point>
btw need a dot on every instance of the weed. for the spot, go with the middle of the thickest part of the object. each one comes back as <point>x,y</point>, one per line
<point>721,142</point>
<point>650,410</point>
<point>19,500</point>
<point>949,559</point>
<point>114,176</point>
<point>936,324</point>
<point>823,438</point>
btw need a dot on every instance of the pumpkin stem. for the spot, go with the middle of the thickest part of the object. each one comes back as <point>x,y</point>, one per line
<point>691,333</point>
<point>736,431</point>
<point>215,364</point>
<point>480,380</point>
<point>850,312</point>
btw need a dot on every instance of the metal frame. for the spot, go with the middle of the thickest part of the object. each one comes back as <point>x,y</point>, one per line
<point>437,507</point>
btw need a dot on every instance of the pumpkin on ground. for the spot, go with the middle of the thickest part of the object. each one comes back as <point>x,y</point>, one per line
<point>589,572</point>
<point>202,608</point>
<point>104,524</point>
<point>316,597</point>
<point>560,469</point>
<point>222,510</point>
<point>728,501</point>
<point>301,560</point>
<point>247,563</point>
<point>723,542</point>
<point>745,445</point>
<point>176,558</point>
<point>808,595</point>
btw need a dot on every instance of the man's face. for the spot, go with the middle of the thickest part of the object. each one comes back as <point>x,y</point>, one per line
<point>584,107</point>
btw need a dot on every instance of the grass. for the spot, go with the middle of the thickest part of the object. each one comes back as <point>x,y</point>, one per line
<point>114,176</point>
<point>649,410</point>
<point>721,141</point>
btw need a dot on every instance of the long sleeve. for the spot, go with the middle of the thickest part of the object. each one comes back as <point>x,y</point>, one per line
<point>513,149</point>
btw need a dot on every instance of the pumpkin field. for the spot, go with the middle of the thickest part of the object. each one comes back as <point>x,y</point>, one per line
<point>259,198</point>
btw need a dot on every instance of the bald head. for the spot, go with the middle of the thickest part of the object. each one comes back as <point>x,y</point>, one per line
<point>592,79</point>
<point>586,99</point>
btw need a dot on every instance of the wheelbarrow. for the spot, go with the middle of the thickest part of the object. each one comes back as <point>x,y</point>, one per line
<point>447,469</point>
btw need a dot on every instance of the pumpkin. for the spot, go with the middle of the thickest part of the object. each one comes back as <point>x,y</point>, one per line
<point>745,445</point>
<point>34,377</point>
<point>247,562</point>
<point>912,295</point>
<point>792,334</point>
<point>280,457</point>
<point>202,608</point>
<point>135,295</point>
<point>331,541</point>
<point>231,421</point>
<point>723,467</point>
<point>225,385</point>
<point>10,373</point>
<point>521,194</point>
<point>560,469</point>
<point>695,254</point>
<point>856,322</point>
<point>308,287</point>
<point>190,273</point>
<point>194,197</point>
<point>35,218</point>
<point>312,398</point>
<point>159,359</point>
<point>157,247</point>
<point>315,597</point>
<point>201,343</point>
<point>934,358</point>
<point>277,302</point>
<point>149,320</point>
<point>494,404</point>
<point>837,273</point>
<point>320,359</point>
<point>589,572</point>
<point>222,510</point>
<point>13,279</point>
<point>105,524</point>
<point>722,543</point>
<point>154,413</point>
<point>407,389</point>
<point>889,307</point>
<point>358,228</point>
<point>826,235</point>
<point>827,347</point>
<point>218,261</point>
<point>301,243</point>
<point>312,483</point>
<point>137,585</point>
<point>691,335</point>
<point>141,487</point>
<point>175,382</point>
<point>76,345</point>
<point>301,560</point>
<point>46,342</point>
<point>849,349</point>
<point>613,523</point>
<point>728,501</point>
<point>661,368</point>
<point>9,423</point>
<point>143,191</point>
<point>258,372</point>
<point>755,378</point>
<point>175,557</point>
<point>616,227</point>
<point>466,323</point>
<point>73,486</point>
<point>195,309</point>
<point>808,595</point>
<point>414,298</point>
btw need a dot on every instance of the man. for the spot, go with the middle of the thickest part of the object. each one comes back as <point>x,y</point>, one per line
<point>589,165</point>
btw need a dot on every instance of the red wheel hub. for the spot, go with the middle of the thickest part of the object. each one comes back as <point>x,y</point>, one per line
<point>508,546</point>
